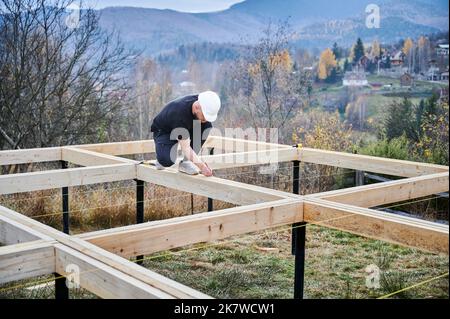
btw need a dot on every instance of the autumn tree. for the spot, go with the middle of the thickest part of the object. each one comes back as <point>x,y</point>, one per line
<point>376,49</point>
<point>423,45</point>
<point>327,63</point>
<point>408,50</point>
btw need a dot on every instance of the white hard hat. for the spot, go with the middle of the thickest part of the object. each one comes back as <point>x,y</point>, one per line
<point>210,104</point>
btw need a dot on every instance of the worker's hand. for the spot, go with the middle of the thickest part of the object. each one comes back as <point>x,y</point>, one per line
<point>205,170</point>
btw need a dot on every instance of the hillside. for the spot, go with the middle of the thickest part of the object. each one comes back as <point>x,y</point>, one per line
<point>158,30</point>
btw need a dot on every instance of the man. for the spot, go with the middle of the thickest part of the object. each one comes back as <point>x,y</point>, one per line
<point>180,121</point>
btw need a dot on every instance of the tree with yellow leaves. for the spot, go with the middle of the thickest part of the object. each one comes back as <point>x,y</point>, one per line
<point>407,46</point>
<point>327,63</point>
<point>376,49</point>
<point>423,45</point>
<point>408,50</point>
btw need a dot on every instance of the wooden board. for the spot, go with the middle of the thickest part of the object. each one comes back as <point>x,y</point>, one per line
<point>27,260</point>
<point>213,187</point>
<point>389,192</point>
<point>369,163</point>
<point>379,225</point>
<point>89,250</point>
<point>157,236</point>
<point>32,155</point>
<point>12,232</point>
<point>89,158</point>
<point>26,182</point>
<point>120,148</point>
<point>103,280</point>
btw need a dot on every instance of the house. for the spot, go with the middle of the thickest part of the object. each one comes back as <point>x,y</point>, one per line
<point>364,61</point>
<point>442,49</point>
<point>406,80</point>
<point>444,76</point>
<point>433,73</point>
<point>355,78</point>
<point>397,58</point>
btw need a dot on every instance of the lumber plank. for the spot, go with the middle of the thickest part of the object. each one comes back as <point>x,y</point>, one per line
<point>26,260</point>
<point>157,236</point>
<point>390,192</point>
<point>212,187</point>
<point>12,232</point>
<point>369,163</point>
<point>89,158</point>
<point>123,265</point>
<point>32,155</point>
<point>406,231</point>
<point>103,280</point>
<point>26,182</point>
<point>120,148</point>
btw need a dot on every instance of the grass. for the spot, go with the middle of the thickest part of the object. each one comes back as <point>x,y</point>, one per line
<point>335,267</point>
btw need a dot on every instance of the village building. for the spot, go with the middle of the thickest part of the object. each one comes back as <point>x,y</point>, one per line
<point>355,78</point>
<point>406,80</point>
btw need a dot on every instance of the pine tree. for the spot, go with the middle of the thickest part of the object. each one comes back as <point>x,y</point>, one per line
<point>346,65</point>
<point>400,120</point>
<point>358,51</point>
<point>336,51</point>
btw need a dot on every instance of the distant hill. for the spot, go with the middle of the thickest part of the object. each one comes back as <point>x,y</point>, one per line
<point>319,23</point>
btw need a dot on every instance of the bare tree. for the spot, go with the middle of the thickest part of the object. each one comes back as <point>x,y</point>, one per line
<point>151,90</point>
<point>61,76</point>
<point>270,85</point>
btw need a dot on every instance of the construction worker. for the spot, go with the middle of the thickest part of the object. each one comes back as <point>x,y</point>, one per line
<point>178,122</point>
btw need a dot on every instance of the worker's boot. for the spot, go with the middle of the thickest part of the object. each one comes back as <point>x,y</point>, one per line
<point>159,166</point>
<point>188,167</point>
<point>155,163</point>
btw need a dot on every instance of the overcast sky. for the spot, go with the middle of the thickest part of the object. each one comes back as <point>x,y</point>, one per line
<point>179,5</point>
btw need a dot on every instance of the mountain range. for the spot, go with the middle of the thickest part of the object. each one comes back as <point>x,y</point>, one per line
<point>317,23</point>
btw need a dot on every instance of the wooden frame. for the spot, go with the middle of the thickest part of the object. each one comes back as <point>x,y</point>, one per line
<point>35,249</point>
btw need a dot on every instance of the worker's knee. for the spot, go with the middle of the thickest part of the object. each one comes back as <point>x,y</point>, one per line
<point>164,159</point>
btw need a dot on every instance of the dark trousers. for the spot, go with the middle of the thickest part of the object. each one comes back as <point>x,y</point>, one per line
<point>166,149</point>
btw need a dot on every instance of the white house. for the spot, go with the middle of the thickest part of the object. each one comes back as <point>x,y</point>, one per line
<point>355,78</point>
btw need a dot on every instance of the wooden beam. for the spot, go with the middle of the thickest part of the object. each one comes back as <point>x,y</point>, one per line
<point>149,277</point>
<point>379,225</point>
<point>89,158</point>
<point>269,156</point>
<point>389,192</point>
<point>26,182</point>
<point>120,148</point>
<point>30,252</point>
<point>26,260</point>
<point>32,155</point>
<point>12,232</point>
<point>101,279</point>
<point>157,236</point>
<point>369,163</point>
<point>212,187</point>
